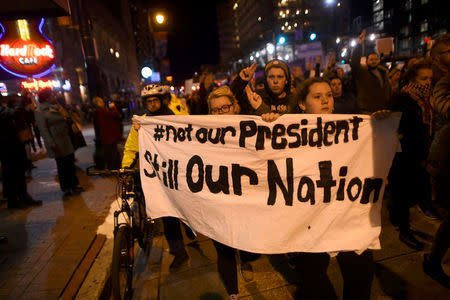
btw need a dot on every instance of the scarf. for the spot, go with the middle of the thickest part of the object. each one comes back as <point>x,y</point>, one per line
<point>421,93</point>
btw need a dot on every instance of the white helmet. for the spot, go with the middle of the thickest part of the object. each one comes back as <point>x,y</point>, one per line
<point>155,90</point>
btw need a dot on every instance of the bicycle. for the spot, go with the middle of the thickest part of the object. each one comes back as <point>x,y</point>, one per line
<point>135,225</point>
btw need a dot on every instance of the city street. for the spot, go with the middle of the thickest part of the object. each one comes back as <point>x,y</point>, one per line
<point>271,126</point>
<point>399,272</point>
<point>47,244</point>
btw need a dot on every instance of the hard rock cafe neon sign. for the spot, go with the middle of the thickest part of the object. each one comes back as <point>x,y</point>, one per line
<point>24,49</point>
<point>42,84</point>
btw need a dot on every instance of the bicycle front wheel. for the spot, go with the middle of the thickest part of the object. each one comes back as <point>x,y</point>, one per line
<point>122,264</point>
<point>145,237</point>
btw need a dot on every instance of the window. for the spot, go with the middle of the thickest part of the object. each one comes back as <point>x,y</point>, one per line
<point>407,5</point>
<point>424,26</point>
<point>404,31</point>
<point>423,2</point>
<point>377,5</point>
<point>379,26</point>
<point>389,13</point>
<point>442,32</point>
<point>405,44</point>
<point>378,16</point>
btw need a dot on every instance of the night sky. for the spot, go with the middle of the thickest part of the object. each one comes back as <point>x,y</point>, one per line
<point>193,39</point>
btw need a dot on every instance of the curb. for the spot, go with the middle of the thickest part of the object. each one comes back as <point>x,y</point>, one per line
<point>96,284</point>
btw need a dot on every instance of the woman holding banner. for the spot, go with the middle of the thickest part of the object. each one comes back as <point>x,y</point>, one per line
<point>357,267</point>
<point>221,101</point>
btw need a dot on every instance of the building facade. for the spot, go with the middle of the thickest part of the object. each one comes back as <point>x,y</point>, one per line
<point>412,23</point>
<point>93,52</point>
<point>143,33</point>
<point>292,30</point>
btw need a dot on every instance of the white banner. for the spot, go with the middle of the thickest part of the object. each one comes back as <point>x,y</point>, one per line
<point>304,183</point>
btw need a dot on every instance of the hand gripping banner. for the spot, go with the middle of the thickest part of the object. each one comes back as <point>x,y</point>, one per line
<point>304,183</point>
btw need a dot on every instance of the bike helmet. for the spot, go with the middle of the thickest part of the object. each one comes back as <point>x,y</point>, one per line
<point>155,90</point>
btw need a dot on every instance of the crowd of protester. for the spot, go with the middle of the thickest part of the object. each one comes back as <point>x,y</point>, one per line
<point>420,90</point>
<point>419,175</point>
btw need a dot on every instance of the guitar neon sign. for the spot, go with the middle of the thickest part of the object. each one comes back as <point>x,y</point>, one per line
<point>24,49</point>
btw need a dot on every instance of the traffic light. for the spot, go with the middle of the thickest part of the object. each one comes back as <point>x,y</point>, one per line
<point>312,36</point>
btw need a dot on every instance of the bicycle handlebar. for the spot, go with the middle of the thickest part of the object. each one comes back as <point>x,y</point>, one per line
<point>90,171</point>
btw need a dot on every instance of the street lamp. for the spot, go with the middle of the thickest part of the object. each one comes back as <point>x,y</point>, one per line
<point>159,18</point>
<point>270,48</point>
<point>146,72</point>
<point>353,43</point>
<point>338,40</point>
<point>372,37</point>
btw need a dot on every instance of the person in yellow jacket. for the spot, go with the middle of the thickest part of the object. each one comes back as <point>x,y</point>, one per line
<point>177,106</point>
<point>156,98</point>
<point>170,105</point>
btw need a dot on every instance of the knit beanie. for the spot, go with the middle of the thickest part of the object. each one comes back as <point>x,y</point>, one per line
<point>278,64</point>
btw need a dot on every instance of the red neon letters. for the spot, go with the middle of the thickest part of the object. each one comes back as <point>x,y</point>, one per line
<point>24,50</point>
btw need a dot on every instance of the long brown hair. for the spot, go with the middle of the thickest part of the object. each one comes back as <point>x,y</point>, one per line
<point>303,91</point>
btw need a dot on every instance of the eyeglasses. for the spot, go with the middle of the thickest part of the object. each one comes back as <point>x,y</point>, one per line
<point>223,109</point>
<point>152,101</point>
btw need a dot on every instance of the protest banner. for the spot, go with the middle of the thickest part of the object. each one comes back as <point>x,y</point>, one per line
<point>304,183</point>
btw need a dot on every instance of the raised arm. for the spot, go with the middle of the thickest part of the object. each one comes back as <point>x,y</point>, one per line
<point>240,82</point>
<point>317,67</point>
<point>355,62</point>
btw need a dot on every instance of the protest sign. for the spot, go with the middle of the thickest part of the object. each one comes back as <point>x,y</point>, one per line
<point>309,183</point>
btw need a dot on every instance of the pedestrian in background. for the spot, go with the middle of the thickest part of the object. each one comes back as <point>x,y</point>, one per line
<point>408,178</point>
<point>373,89</point>
<point>344,101</point>
<point>56,133</point>
<point>13,155</point>
<point>107,128</point>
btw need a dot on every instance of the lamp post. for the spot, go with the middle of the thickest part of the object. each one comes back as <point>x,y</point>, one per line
<point>160,18</point>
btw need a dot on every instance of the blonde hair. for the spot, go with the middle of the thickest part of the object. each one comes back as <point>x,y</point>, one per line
<point>223,91</point>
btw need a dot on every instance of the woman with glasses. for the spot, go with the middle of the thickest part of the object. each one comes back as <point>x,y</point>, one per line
<point>221,101</point>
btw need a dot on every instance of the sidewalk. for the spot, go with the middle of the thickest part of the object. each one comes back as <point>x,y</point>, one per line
<point>399,273</point>
<point>47,243</point>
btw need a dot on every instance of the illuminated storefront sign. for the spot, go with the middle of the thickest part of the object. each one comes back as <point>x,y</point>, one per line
<point>42,84</point>
<point>3,89</point>
<point>24,49</point>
